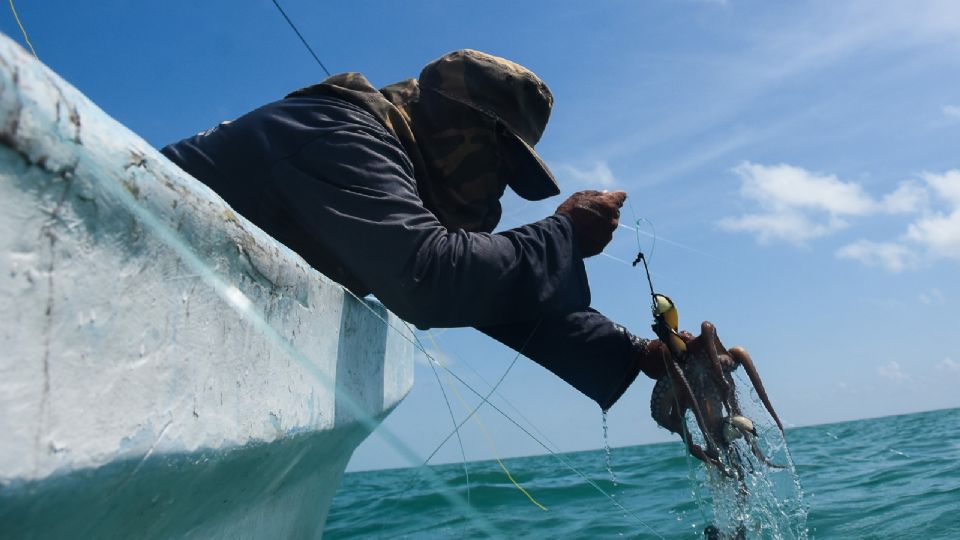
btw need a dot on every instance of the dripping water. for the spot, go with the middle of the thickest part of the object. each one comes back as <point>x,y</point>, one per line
<point>772,505</point>
<point>607,452</point>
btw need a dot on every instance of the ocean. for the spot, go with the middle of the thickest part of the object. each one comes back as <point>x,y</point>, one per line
<point>892,477</point>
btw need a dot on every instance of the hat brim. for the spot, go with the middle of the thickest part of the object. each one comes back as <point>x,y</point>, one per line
<point>531,177</point>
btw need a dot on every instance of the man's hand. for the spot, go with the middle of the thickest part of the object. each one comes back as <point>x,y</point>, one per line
<point>595,216</point>
<point>652,355</point>
<point>650,358</point>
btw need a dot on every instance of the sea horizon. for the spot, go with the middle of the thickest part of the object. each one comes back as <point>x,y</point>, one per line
<point>670,440</point>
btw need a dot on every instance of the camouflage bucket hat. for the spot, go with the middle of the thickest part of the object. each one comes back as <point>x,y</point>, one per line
<point>510,94</point>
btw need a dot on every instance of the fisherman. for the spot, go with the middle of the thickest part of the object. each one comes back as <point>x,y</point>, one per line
<point>396,193</point>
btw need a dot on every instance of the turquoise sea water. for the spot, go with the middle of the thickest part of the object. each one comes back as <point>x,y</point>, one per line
<point>892,477</point>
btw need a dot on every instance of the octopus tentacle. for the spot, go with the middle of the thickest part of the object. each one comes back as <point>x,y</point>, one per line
<point>681,383</point>
<point>698,452</point>
<point>734,405</point>
<point>664,406</point>
<point>708,333</point>
<point>742,357</point>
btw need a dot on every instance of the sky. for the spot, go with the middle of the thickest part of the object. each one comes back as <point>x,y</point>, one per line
<point>797,163</point>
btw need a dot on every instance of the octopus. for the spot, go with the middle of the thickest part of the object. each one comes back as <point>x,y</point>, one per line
<point>699,379</point>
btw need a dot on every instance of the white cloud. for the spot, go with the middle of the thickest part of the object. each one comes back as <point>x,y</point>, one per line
<point>908,198</point>
<point>892,256</point>
<point>797,205</point>
<point>892,371</point>
<point>933,297</point>
<point>935,234</point>
<point>946,185</point>
<point>939,232</point>
<point>952,111</point>
<point>949,365</point>
<point>599,176</point>
<point>790,226</point>
<point>779,187</point>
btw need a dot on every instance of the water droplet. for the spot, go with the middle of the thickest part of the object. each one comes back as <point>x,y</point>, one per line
<point>606,449</point>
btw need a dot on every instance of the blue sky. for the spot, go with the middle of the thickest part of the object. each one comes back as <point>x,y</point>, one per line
<point>799,162</point>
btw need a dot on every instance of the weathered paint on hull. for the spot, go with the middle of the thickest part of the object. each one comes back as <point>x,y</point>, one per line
<point>166,368</point>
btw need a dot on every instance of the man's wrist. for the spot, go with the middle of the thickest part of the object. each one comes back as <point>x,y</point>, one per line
<point>649,355</point>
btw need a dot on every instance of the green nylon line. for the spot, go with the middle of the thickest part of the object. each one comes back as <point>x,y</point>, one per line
<point>23,30</point>
<point>558,456</point>
<point>453,419</point>
<point>485,398</point>
<point>489,439</point>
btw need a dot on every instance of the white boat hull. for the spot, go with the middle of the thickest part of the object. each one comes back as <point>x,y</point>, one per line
<point>166,368</point>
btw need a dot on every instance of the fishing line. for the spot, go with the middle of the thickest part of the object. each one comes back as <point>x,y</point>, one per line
<point>496,456</point>
<point>686,435</point>
<point>299,35</point>
<point>23,30</point>
<point>553,451</point>
<point>446,400</point>
<point>636,222</point>
<point>466,471</point>
<point>485,399</point>
<point>489,439</point>
<point>533,426</point>
<point>513,216</point>
<point>457,426</point>
<point>519,413</point>
<point>564,461</point>
<point>556,455</point>
<point>614,257</point>
<point>674,243</point>
<point>556,447</point>
<point>604,253</point>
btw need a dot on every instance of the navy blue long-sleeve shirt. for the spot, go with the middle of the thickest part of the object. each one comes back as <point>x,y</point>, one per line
<point>325,178</point>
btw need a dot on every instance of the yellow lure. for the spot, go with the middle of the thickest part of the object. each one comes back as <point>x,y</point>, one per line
<point>664,307</point>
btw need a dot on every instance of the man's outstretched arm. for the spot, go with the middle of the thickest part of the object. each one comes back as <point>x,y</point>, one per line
<point>587,350</point>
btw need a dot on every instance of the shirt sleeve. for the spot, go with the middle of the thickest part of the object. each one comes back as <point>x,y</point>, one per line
<point>587,350</point>
<point>353,191</point>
